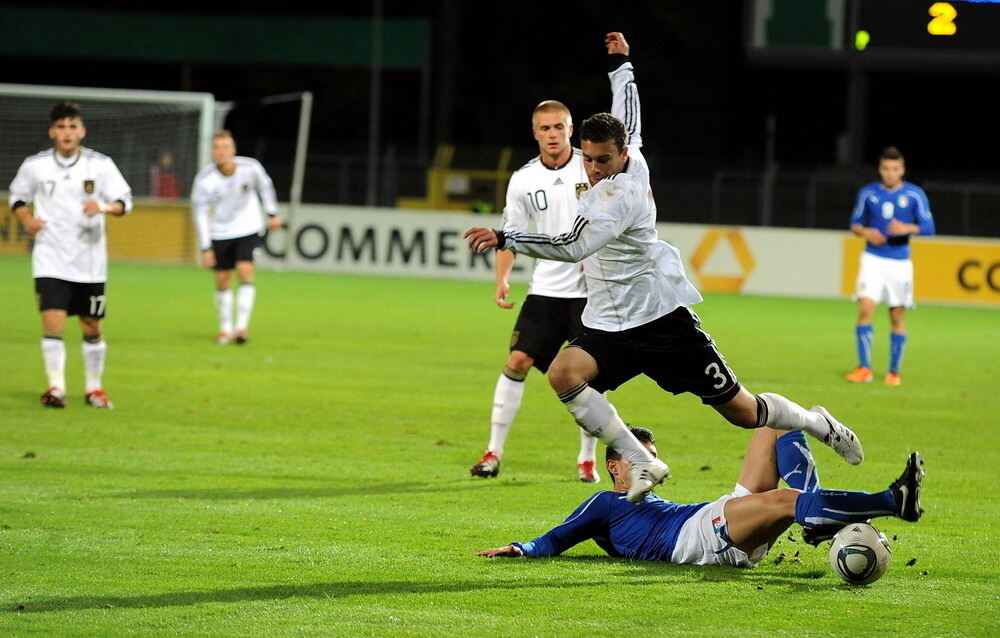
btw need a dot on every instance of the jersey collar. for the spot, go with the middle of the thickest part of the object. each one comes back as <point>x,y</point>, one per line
<point>62,163</point>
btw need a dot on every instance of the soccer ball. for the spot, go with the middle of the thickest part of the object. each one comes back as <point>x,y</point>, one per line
<point>860,554</point>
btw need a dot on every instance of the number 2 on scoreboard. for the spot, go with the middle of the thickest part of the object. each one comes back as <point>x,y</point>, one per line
<point>944,19</point>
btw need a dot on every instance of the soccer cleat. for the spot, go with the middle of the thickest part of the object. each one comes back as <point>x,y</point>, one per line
<point>840,437</point>
<point>487,467</point>
<point>241,337</point>
<point>645,476</point>
<point>816,535</point>
<point>98,399</point>
<point>223,338</point>
<point>54,398</point>
<point>860,374</point>
<point>587,472</point>
<point>906,489</point>
<point>892,378</point>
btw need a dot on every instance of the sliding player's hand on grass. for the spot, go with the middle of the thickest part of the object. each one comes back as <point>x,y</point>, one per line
<point>506,550</point>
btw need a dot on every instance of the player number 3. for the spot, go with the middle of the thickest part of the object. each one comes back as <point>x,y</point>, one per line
<point>716,373</point>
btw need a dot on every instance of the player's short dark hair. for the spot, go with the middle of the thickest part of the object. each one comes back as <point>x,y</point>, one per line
<point>603,127</point>
<point>644,435</point>
<point>65,109</point>
<point>890,153</point>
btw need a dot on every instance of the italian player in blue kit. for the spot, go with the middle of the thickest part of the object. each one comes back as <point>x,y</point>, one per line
<point>887,213</point>
<point>736,529</point>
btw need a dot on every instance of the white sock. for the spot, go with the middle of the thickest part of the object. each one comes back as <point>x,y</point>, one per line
<point>595,414</point>
<point>224,304</point>
<point>54,356</point>
<point>506,402</point>
<point>588,447</point>
<point>783,414</point>
<point>93,362</point>
<point>245,295</point>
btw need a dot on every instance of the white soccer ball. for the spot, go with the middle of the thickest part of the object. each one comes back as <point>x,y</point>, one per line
<point>860,554</point>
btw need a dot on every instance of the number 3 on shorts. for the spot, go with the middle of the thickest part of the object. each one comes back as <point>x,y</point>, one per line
<point>97,305</point>
<point>716,373</point>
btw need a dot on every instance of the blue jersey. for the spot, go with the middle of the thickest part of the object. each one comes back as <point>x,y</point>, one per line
<point>877,206</point>
<point>647,530</point>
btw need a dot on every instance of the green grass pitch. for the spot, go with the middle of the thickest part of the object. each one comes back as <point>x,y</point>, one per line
<point>315,481</point>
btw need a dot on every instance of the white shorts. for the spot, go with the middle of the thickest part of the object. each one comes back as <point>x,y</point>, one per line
<point>885,280</point>
<point>703,540</point>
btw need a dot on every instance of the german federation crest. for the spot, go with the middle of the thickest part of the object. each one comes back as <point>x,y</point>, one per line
<point>88,186</point>
<point>580,188</point>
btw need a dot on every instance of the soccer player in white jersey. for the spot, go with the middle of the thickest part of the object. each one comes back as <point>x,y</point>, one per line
<point>234,189</point>
<point>544,191</point>
<point>887,212</point>
<point>637,319</point>
<point>71,189</point>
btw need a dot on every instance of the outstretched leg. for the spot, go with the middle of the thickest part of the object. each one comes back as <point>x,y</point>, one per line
<point>775,411</point>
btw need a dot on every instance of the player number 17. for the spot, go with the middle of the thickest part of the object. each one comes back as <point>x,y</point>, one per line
<point>96,305</point>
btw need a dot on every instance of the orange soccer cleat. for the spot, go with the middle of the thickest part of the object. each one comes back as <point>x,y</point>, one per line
<point>860,374</point>
<point>892,378</point>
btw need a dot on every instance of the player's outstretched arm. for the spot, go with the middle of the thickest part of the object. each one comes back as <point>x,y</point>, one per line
<point>506,550</point>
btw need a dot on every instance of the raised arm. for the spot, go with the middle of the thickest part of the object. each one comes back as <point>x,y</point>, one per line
<point>625,95</point>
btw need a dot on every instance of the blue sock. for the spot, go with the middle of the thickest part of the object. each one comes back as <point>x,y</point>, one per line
<point>829,507</point>
<point>863,336</point>
<point>898,342</point>
<point>795,462</point>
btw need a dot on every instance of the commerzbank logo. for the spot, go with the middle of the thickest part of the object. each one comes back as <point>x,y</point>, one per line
<point>704,262</point>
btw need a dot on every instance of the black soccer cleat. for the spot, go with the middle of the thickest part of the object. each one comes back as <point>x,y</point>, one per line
<point>241,337</point>
<point>816,535</point>
<point>906,489</point>
<point>487,467</point>
<point>54,398</point>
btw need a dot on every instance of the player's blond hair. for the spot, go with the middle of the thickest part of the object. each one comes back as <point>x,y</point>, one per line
<point>551,106</point>
<point>223,134</point>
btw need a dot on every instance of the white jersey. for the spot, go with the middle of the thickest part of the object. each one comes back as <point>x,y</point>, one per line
<point>71,246</point>
<point>549,198</point>
<point>632,277</point>
<point>235,201</point>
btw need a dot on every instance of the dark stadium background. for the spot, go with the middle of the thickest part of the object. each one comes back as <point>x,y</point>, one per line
<point>705,104</point>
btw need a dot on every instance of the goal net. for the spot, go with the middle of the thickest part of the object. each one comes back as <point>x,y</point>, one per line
<point>158,139</point>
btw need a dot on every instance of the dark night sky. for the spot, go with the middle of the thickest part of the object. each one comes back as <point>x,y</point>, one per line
<point>704,104</point>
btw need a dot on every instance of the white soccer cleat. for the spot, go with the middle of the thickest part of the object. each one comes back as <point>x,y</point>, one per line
<point>223,338</point>
<point>840,437</point>
<point>645,476</point>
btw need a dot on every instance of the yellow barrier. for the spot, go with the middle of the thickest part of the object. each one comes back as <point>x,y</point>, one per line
<point>943,270</point>
<point>155,231</point>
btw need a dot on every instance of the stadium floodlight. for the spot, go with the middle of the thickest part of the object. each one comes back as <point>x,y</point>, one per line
<point>159,139</point>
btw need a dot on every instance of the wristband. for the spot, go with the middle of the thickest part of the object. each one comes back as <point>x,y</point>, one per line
<point>104,207</point>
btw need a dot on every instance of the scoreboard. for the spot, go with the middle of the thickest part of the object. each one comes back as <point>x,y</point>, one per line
<point>875,33</point>
<point>956,26</point>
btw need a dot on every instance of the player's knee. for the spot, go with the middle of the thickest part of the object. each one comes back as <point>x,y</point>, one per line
<point>519,363</point>
<point>563,376</point>
<point>781,502</point>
